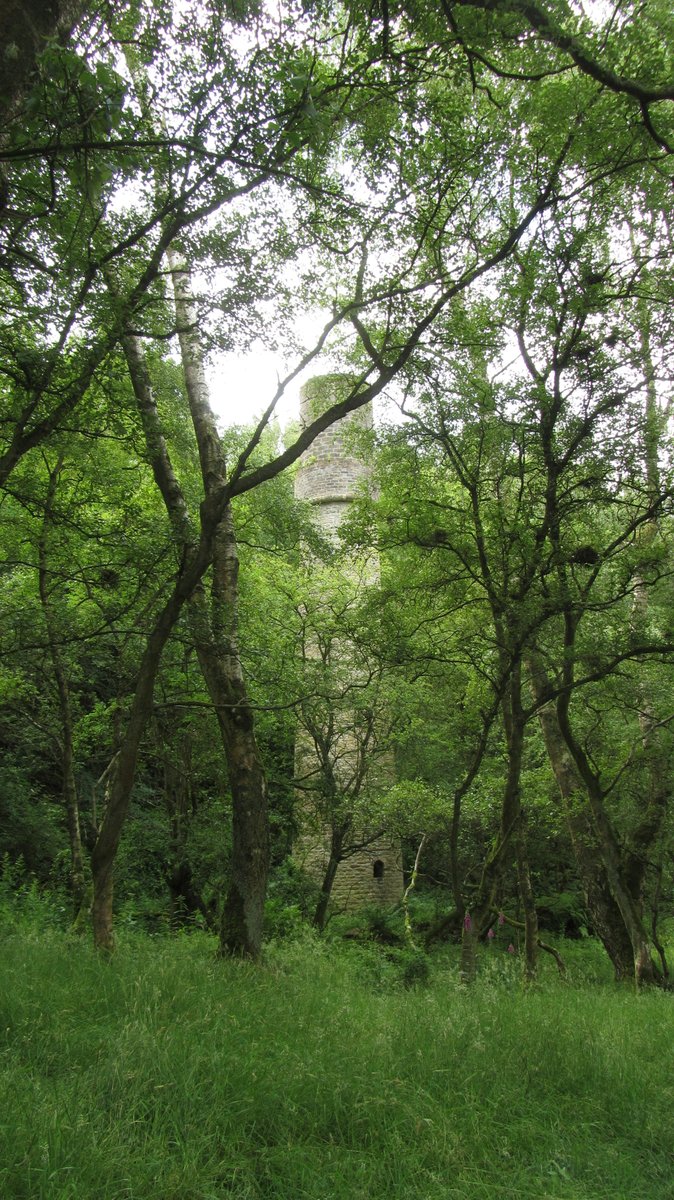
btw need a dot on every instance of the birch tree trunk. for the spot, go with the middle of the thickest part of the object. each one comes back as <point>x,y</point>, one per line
<point>215,631</point>
<point>220,660</point>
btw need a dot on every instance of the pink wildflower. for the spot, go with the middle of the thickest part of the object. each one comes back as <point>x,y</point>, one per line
<point>490,934</point>
<point>511,949</point>
<point>501,919</point>
<point>467,923</point>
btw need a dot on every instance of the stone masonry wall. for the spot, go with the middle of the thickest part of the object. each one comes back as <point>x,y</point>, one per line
<point>373,876</point>
<point>329,477</point>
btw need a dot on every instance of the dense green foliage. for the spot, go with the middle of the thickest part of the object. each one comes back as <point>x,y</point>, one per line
<point>475,199</point>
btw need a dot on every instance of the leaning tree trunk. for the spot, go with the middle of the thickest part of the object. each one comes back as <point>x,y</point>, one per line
<point>123,772</point>
<point>195,556</point>
<point>630,910</point>
<point>334,859</point>
<point>476,921</point>
<point>603,911</point>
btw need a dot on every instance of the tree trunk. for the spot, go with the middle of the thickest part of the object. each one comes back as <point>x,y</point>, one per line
<point>644,967</point>
<point>655,910</point>
<point>336,855</point>
<point>219,657</point>
<point>468,961</point>
<point>409,935</point>
<point>195,557</point>
<point>528,904</point>
<point>215,633</point>
<point>476,922</point>
<point>25,28</point>
<point>243,914</point>
<point>603,911</point>
<point>123,772</point>
<point>110,830</point>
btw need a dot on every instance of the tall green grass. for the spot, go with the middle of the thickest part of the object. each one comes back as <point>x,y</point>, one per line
<point>167,1075</point>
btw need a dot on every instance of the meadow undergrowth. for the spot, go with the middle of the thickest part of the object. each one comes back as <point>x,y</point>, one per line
<point>168,1075</point>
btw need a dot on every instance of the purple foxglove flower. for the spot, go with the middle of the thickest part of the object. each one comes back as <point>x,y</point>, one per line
<point>467,923</point>
<point>501,919</point>
<point>490,934</point>
<point>511,949</point>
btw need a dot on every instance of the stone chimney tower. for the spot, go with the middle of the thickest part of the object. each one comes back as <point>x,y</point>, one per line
<point>329,477</point>
<point>330,474</point>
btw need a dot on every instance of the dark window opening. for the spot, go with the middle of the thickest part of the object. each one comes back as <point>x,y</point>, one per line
<point>378,869</point>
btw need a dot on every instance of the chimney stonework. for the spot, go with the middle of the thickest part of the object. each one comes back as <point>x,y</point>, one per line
<point>330,476</point>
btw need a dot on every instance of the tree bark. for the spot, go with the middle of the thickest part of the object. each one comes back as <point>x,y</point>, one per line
<point>526,891</point>
<point>242,922</point>
<point>321,914</point>
<point>476,922</point>
<point>644,967</point>
<point>603,911</point>
<point>218,650</point>
<point>123,772</point>
<point>25,27</point>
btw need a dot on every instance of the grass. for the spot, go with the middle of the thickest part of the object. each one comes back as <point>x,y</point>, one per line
<point>166,1075</point>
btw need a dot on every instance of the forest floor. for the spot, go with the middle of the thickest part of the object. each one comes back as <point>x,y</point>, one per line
<point>166,1074</point>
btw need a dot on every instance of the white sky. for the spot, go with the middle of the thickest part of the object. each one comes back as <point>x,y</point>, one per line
<point>242,385</point>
